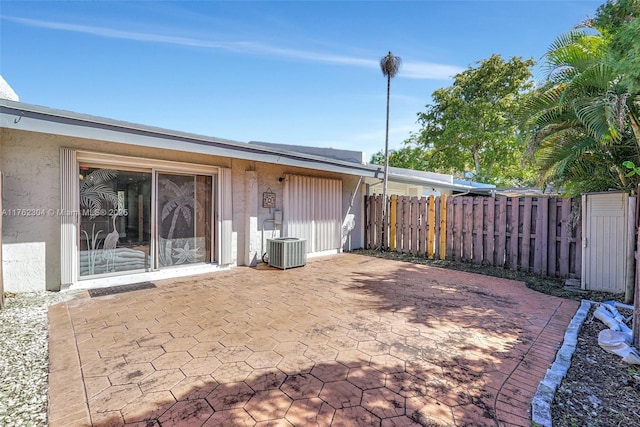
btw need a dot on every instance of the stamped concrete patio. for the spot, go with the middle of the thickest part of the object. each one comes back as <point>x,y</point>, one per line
<point>347,340</point>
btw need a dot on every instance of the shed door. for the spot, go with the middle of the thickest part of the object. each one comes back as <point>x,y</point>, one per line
<point>604,255</point>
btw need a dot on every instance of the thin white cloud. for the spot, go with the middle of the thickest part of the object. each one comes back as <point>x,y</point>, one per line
<point>410,69</point>
<point>428,70</point>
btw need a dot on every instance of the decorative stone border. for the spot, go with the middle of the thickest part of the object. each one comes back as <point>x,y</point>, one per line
<point>541,403</point>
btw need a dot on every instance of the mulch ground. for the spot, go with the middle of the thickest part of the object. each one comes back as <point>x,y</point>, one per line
<point>599,389</point>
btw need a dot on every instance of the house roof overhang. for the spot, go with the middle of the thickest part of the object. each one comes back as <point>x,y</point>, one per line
<point>35,118</point>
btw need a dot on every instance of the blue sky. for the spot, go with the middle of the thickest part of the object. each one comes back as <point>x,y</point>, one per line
<point>294,72</point>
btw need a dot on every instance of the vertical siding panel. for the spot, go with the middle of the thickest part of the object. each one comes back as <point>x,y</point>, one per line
<point>313,211</point>
<point>225,207</point>
<point>69,202</point>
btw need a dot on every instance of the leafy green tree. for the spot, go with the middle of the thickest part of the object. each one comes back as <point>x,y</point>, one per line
<point>584,118</point>
<point>472,126</point>
<point>405,157</point>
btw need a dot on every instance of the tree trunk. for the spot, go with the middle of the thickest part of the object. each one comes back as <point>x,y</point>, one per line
<point>386,169</point>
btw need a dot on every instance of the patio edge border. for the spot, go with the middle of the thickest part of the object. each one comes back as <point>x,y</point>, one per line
<point>541,403</point>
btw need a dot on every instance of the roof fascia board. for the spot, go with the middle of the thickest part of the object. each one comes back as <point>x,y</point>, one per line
<point>34,118</point>
<point>26,117</point>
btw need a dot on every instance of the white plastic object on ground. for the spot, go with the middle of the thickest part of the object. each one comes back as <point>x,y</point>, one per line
<point>618,337</point>
<point>615,342</point>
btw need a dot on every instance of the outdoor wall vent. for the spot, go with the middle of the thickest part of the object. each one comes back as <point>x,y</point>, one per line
<point>287,252</point>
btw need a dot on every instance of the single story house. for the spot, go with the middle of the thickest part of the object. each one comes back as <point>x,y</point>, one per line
<point>89,201</point>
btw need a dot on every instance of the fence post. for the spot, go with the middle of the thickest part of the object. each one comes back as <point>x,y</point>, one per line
<point>631,230</point>
<point>636,296</point>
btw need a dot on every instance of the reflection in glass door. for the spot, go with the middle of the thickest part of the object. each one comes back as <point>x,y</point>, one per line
<point>115,221</point>
<point>184,219</point>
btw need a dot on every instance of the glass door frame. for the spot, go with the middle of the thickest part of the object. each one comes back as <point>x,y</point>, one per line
<point>117,167</point>
<point>155,228</point>
<point>87,158</point>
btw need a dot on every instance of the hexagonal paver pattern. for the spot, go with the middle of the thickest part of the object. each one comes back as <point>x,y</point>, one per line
<point>302,386</point>
<point>265,379</point>
<point>268,405</point>
<point>310,412</point>
<point>187,413</point>
<point>230,396</point>
<point>347,340</point>
<point>341,394</point>
<point>383,402</point>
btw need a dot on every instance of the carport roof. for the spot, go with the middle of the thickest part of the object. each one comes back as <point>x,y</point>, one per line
<point>35,118</point>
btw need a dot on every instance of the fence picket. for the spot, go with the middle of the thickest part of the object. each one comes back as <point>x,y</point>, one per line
<point>423,225</point>
<point>467,231</point>
<point>514,231</point>
<point>406,225</point>
<point>565,207</point>
<point>526,235</point>
<point>457,229</point>
<point>443,226</point>
<point>477,204</point>
<point>415,225</point>
<point>552,260</point>
<point>490,237</point>
<point>449,229</point>
<point>432,232</point>
<point>501,221</point>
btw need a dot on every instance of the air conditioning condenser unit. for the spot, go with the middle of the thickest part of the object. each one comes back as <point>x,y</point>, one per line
<point>287,252</point>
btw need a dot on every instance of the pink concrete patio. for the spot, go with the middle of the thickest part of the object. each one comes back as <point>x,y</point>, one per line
<point>347,340</point>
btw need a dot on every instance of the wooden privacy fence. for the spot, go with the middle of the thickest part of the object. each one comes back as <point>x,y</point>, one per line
<point>541,235</point>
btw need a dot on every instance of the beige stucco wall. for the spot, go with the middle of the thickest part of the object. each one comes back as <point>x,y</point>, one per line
<point>31,234</point>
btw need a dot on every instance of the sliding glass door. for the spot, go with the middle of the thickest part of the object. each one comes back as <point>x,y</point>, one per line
<point>115,220</point>
<point>142,220</point>
<point>184,219</point>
